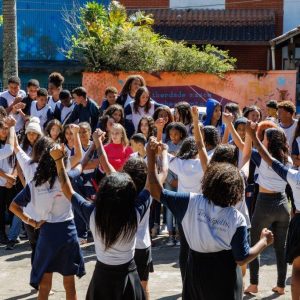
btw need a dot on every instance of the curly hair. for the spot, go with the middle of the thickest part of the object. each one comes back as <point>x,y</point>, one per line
<point>226,153</point>
<point>211,136</point>
<point>263,126</point>
<point>223,184</point>
<point>185,112</point>
<point>177,126</point>
<point>288,106</point>
<point>56,79</point>
<point>151,126</point>
<point>188,149</point>
<point>136,168</point>
<point>277,144</point>
<point>46,169</point>
<point>127,86</point>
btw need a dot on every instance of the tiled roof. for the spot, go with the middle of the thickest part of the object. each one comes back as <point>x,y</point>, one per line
<point>214,25</point>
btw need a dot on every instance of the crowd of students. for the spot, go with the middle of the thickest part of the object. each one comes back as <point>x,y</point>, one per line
<point>225,187</point>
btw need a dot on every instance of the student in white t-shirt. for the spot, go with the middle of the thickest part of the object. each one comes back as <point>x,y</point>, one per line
<point>138,144</point>
<point>215,231</point>
<point>115,275</point>
<point>64,108</point>
<point>293,240</point>
<point>286,113</point>
<point>55,82</point>
<point>57,248</point>
<point>40,109</point>
<point>271,198</point>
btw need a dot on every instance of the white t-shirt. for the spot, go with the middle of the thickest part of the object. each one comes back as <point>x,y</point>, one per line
<point>189,172</point>
<point>129,99</point>
<point>43,114</point>
<point>46,204</point>
<point>290,133</point>
<point>6,152</point>
<point>52,103</point>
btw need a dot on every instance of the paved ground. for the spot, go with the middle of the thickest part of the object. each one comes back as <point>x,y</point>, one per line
<point>165,283</point>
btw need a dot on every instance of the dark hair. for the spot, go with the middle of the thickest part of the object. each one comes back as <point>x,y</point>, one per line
<point>126,87</point>
<point>103,123</point>
<point>226,153</point>
<point>167,110</point>
<point>251,108</point>
<point>12,157</point>
<point>80,91</point>
<point>272,104</point>
<point>67,126</point>
<point>185,112</point>
<point>64,95</point>
<point>139,138</point>
<point>176,126</point>
<point>211,136</point>
<point>137,99</point>
<point>226,179</point>
<point>110,89</point>
<point>115,215</point>
<point>38,148</point>
<point>33,82</point>
<point>49,127</point>
<point>42,92</point>
<point>188,149</point>
<point>136,168</point>
<point>26,143</point>
<point>234,109</point>
<point>56,79</point>
<point>112,109</point>
<point>14,79</point>
<point>277,144</point>
<point>46,169</point>
<point>288,106</point>
<point>150,122</point>
<point>3,113</point>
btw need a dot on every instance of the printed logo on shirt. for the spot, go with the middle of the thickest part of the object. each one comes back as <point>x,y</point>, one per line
<point>219,224</point>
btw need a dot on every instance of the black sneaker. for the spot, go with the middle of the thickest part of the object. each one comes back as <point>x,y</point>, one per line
<point>3,239</point>
<point>10,245</point>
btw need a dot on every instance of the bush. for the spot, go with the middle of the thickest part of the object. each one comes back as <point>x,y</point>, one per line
<point>107,39</point>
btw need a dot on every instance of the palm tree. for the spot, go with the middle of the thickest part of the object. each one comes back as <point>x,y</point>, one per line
<point>10,44</point>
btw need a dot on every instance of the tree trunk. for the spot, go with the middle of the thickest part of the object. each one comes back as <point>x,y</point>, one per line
<point>10,44</point>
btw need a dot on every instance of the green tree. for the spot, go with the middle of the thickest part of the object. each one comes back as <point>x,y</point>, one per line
<point>10,44</point>
<point>108,39</point>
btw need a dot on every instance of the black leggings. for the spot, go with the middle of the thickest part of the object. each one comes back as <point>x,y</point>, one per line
<point>6,196</point>
<point>184,252</point>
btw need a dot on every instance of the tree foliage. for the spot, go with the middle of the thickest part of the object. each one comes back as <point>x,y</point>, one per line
<point>108,39</point>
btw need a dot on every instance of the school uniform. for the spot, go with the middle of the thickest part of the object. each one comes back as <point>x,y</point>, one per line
<point>143,254</point>
<point>7,164</point>
<point>217,236</point>
<point>45,114</point>
<point>115,276</point>
<point>290,132</point>
<point>124,100</point>
<point>135,117</point>
<point>271,209</point>
<point>53,103</point>
<point>6,99</point>
<point>293,239</point>
<point>57,248</point>
<point>62,112</point>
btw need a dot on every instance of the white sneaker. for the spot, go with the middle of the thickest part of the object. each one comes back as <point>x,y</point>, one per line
<point>171,241</point>
<point>163,229</point>
<point>177,242</point>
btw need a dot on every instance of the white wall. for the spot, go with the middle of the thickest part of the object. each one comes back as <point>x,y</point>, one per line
<point>291,17</point>
<point>201,4</point>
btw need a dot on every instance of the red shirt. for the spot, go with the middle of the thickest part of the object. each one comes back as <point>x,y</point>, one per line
<point>117,155</point>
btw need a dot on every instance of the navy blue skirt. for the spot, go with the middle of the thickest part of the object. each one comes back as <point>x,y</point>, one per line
<point>57,250</point>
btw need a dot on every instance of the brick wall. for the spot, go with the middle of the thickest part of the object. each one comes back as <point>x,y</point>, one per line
<point>252,57</point>
<point>276,5</point>
<point>145,3</point>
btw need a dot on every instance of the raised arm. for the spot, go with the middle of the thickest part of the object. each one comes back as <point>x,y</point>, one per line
<point>98,137</point>
<point>58,156</point>
<point>159,124</point>
<point>247,147</point>
<point>77,157</point>
<point>88,162</point>
<point>227,119</point>
<point>251,133</point>
<point>153,179</point>
<point>199,139</point>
